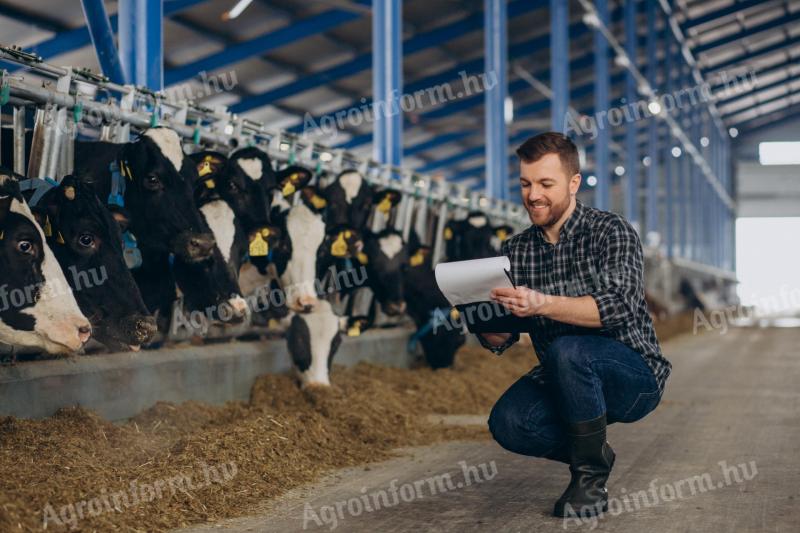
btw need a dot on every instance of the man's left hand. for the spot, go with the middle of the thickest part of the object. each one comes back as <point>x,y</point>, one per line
<point>522,301</point>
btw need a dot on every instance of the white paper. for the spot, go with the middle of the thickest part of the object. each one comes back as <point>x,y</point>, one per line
<point>465,282</point>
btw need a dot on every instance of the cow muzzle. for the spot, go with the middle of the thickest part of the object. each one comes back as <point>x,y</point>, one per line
<point>195,247</point>
<point>139,329</point>
<point>394,308</point>
<point>70,334</point>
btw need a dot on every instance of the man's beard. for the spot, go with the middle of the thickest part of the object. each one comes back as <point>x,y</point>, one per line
<point>556,212</point>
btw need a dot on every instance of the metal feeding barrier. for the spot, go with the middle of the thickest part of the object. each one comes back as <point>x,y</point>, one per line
<point>70,103</point>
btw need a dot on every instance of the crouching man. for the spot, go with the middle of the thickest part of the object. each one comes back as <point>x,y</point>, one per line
<point>579,273</point>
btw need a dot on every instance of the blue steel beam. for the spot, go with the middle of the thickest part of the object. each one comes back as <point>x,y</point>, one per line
<point>103,39</point>
<point>387,80</point>
<point>559,63</point>
<point>71,40</point>
<point>738,36</point>
<point>414,44</point>
<point>601,100</point>
<point>631,94</point>
<point>436,141</point>
<point>496,57</point>
<point>141,42</point>
<point>262,44</point>
<point>651,204</point>
<point>733,9</point>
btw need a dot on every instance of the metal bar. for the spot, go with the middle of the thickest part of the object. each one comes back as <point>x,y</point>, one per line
<point>602,193</point>
<point>496,56</point>
<point>781,46</point>
<point>782,19</point>
<point>103,39</point>
<point>387,82</point>
<point>19,140</point>
<point>631,148</point>
<point>559,63</point>
<point>653,234</point>
<point>669,161</point>
<point>141,42</point>
<point>733,9</point>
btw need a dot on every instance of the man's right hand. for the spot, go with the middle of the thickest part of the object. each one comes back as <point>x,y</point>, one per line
<point>495,339</point>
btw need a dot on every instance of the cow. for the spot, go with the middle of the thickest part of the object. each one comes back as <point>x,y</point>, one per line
<point>470,238</point>
<point>313,339</point>
<point>386,259</point>
<point>37,307</point>
<point>87,242</point>
<point>153,180</point>
<point>439,339</point>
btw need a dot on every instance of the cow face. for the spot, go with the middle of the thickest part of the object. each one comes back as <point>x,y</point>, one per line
<point>386,257</point>
<point>37,307</point>
<point>313,339</point>
<point>500,234</point>
<point>247,182</point>
<point>87,242</point>
<point>470,238</point>
<point>349,200</point>
<point>158,195</point>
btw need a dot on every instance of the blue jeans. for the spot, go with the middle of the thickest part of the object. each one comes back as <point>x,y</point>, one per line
<point>585,376</point>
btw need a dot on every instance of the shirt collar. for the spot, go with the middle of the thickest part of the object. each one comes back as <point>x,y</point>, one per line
<point>570,227</point>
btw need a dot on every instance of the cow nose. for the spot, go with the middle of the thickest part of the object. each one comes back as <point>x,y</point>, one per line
<point>200,246</point>
<point>239,306</point>
<point>395,308</point>
<point>142,328</point>
<point>84,333</point>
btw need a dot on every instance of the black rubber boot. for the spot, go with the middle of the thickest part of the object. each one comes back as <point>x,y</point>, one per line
<point>591,460</point>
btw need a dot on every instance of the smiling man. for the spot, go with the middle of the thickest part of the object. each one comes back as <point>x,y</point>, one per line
<point>579,275</point>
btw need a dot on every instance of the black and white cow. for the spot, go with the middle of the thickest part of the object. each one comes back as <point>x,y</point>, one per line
<point>386,257</point>
<point>37,307</point>
<point>440,342</point>
<point>87,242</point>
<point>313,339</point>
<point>470,238</point>
<point>175,242</point>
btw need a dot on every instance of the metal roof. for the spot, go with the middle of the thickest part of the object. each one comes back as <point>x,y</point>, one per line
<point>286,60</point>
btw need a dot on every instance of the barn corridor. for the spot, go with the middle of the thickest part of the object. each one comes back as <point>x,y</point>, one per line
<point>732,398</point>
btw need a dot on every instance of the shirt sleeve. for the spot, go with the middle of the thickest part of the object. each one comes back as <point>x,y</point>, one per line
<point>497,350</point>
<point>619,286</point>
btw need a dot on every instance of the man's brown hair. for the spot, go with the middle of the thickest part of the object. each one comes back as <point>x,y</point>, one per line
<point>551,142</point>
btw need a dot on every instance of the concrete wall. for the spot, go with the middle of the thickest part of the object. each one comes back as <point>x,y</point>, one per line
<point>118,386</point>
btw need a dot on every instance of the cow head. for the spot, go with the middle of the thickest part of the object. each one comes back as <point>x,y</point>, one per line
<point>386,258</point>
<point>88,244</point>
<point>313,339</point>
<point>349,200</point>
<point>470,238</point>
<point>158,195</point>
<point>37,307</point>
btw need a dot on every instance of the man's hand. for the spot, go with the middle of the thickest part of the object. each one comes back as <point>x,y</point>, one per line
<point>522,301</point>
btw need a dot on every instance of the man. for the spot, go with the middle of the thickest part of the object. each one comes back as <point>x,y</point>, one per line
<point>578,272</point>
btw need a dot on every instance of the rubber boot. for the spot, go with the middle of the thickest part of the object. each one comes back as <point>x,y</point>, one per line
<point>591,460</point>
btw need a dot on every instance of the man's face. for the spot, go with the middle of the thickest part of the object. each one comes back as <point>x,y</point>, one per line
<point>546,189</point>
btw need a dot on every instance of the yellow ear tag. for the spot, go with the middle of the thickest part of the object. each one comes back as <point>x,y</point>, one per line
<point>2,235</point>
<point>385,205</point>
<point>69,193</point>
<point>354,330</point>
<point>273,323</point>
<point>60,238</point>
<point>125,170</point>
<point>204,168</point>
<point>454,314</point>
<point>448,234</point>
<point>318,201</point>
<point>417,259</point>
<point>258,246</point>
<point>362,258</point>
<point>265,233</point>
<point>502,234</point>
<point>339,246</point>
<point>288,188</point>
<point>48,229</point>
<point>210,184</point>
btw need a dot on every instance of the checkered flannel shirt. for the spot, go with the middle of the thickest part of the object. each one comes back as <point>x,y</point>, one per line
<point>598,254</point>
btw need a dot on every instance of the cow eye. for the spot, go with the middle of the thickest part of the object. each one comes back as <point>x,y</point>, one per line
<point>86,240</point>
<point>25,247</point>
<point>152,181</point>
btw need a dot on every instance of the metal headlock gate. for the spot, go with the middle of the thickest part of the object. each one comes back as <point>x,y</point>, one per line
<point>68,101</point>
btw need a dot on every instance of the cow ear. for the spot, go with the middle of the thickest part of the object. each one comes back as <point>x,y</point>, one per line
<point>292,178</point>
<point>5,206</point>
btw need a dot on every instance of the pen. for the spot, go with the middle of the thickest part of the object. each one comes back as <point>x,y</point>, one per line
<point>508,275</point>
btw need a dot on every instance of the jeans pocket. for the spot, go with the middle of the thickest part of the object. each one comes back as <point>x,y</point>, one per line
<point>645,402</point>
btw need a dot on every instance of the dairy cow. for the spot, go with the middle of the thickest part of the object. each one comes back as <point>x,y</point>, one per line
<point>313,339</point>
<point>87,242</point>
<point>153,180</point>
<point>37,307</point>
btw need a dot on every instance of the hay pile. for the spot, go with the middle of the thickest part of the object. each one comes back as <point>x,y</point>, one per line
<point>76,469</point>
<point>282,438</point>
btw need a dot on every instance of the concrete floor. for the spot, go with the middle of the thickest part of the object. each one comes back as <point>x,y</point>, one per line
<point>732,398</point>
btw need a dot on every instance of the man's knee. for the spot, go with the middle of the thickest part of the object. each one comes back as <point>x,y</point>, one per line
<point>510,430</point>
<point>568,351</point>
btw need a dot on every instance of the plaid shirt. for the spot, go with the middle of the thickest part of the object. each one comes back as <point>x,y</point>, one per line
<point>598,254</point>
